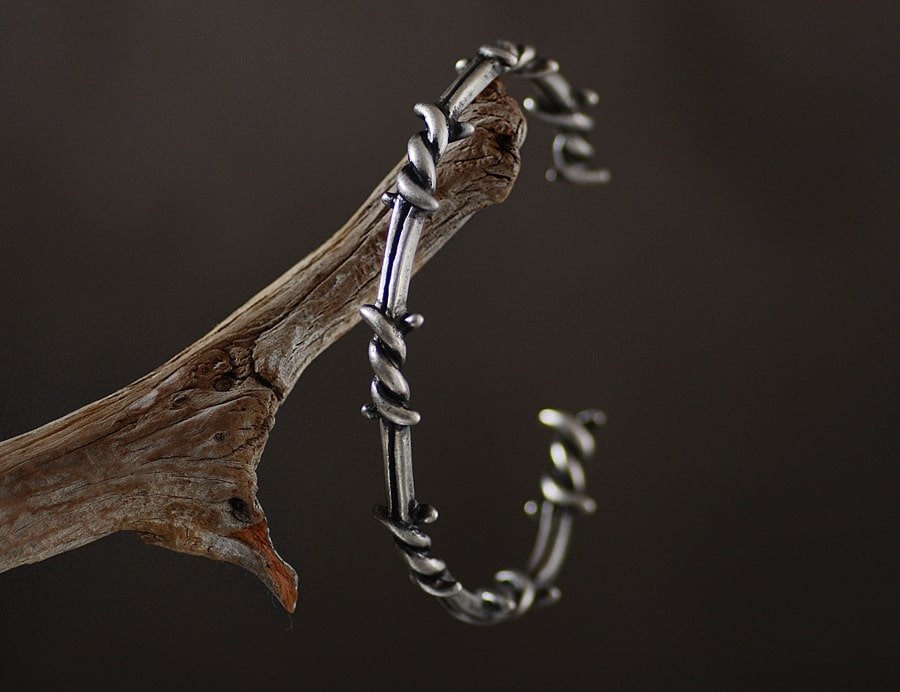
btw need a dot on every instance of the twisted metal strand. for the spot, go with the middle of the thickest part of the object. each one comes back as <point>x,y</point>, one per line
<point>387,352</point>
<point>558,104</point>
<point>514,592</point>
<point>564,487</point>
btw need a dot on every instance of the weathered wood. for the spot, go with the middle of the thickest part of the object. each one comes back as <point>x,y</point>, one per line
<point>173,456</point>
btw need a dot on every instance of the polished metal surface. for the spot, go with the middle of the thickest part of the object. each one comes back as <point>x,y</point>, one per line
<point>514,591</point>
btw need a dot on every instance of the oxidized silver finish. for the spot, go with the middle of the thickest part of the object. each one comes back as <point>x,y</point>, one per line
<point>563,488</point>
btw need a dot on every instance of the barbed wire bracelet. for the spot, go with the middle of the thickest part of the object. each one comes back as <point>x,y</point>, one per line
<point>563,488</point>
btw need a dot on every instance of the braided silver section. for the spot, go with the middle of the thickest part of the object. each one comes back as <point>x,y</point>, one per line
<point>564,485</point>
<point>387,351</point>
<point>514,592</point>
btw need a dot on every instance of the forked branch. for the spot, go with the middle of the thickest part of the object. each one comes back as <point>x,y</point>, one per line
<point>173,456</point>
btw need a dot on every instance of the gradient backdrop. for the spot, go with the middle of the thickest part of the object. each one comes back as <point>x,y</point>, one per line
<point>729,300</point>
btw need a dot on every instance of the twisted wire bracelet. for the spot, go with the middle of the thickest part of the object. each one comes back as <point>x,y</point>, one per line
<point>563,488</point>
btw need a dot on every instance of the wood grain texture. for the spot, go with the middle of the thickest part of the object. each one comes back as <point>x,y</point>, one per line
<point>173,456</point>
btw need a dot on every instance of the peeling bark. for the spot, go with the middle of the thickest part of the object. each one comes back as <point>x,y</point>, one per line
<point>173,456</point>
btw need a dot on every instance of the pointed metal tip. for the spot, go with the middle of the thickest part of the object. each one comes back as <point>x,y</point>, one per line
<point>424,514</point>
<point>414,320</point>
<point>589,97</point>
<point>466,130</point>
<point>550,416</point>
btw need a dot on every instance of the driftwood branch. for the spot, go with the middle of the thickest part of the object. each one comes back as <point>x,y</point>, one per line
<point>173,456</point>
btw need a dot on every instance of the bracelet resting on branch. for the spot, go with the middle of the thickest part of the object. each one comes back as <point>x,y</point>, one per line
<point>173,456</point>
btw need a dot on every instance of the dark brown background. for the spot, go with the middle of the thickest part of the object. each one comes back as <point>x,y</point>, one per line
<point>727,300</point>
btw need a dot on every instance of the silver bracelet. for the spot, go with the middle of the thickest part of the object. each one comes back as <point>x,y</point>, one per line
<point>563,487</point>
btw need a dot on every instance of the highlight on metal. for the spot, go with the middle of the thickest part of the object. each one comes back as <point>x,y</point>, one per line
<point>514,591</point>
